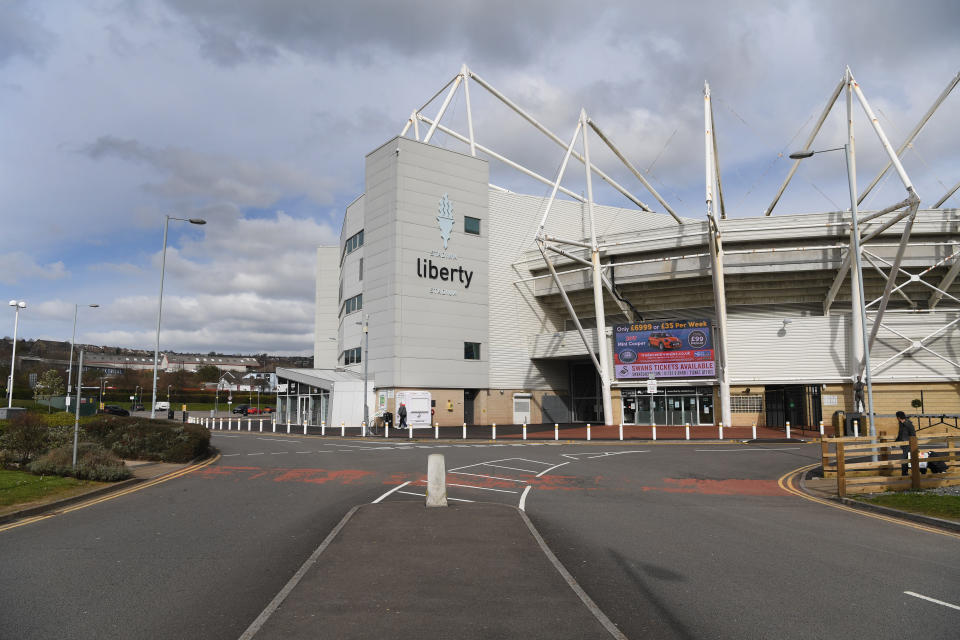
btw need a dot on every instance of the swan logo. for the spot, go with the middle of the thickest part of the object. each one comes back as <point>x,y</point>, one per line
<point>445,219</point>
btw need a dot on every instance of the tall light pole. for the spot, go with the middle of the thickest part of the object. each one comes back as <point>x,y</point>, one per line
<point>17,305</point>
<point>73,338</point>
<point>366,367</point>
<point>858,299</point>
<point>163,265</point>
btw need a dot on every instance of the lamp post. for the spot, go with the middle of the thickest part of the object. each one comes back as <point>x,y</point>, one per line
<point>17,305</point>
<point>858,295</point>
<point>366,367</point>
<point>102,381</point>
<point>73,338</point>
<point>163,265</point>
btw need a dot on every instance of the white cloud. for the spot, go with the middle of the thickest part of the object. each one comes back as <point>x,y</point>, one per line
<point>18,267</point>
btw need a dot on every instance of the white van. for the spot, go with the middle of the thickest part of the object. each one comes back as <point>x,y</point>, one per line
<point>162,406</point>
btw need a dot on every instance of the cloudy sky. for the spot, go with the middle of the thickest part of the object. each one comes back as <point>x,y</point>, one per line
<point>256,116</point>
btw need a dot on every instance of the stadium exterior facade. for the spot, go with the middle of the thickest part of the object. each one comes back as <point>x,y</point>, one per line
<point>499,307</point>
<point>478,322</point>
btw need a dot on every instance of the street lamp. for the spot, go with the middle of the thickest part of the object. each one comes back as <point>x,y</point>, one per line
<point>102,381</point>
<point>73,337</point>
<point>858,297</point>
<point>17,305</point>
<point>163,264</point>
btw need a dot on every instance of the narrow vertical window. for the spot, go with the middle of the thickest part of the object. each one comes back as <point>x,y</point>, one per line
<point>361,268</point>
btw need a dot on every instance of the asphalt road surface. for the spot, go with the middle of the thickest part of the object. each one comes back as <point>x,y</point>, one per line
<point>692,540</point>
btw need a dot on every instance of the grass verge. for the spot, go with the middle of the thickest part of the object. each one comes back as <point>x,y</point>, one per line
<point>20,487</point>
<point>928,504</point>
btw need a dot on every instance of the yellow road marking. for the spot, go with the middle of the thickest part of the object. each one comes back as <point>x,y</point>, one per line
<point>788,479</point>
<point>116,494</point>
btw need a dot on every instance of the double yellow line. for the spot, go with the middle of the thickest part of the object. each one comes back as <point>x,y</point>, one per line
<point>788,482</point>
<point>115,494</point>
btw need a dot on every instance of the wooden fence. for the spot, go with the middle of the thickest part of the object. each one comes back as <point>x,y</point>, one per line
<point>864,466</point>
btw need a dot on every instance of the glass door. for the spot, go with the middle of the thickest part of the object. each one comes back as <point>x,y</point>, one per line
<point>705,415</point>
<point>629,408</point>
<point>659,409</point>
<point>303,409</point>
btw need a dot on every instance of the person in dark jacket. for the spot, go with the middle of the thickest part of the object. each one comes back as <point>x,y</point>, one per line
<point>904,434</point>
<point>402,415</point>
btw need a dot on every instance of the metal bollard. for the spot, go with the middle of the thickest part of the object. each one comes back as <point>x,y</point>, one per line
<point>249,425</point>
<point>588,431</point>
<point>556,431</point>
<point>274,424</point>
<point>621,431</point>
<point>524,430</point>
<point>494,430</point>
<point>261,425</point>
<point>323,427</point>
<point>821,428</point>
<point>687,426</point>
<point>754,430</point>
<point>363,429</point>
<point>288,427</point>
<point>654,432</point>
<point>343,429</point>
<point>788,430</point>
<point>721,431</point>
<point>304,427</point>
<point>410,431</point>
<point>436,430</point>
<point>464,430</point>
<point>856,429</point>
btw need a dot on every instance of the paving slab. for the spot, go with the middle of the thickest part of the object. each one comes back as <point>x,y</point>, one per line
<point>402,570</point>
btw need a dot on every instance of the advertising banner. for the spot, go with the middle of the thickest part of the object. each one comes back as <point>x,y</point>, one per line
<point>663,349</point>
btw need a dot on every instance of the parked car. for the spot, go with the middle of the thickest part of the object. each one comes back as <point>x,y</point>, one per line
<point>663,341</point>
<point>251,410</point>
<point>241,409</point>
<point>114,410</point>
<point>266,409</point>
<point>137,407</point>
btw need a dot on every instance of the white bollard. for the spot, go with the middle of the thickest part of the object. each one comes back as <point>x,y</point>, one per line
<point>494,430</point>
<point>556,431</point>
<point>363,429</point>
<point>274,424</point>
<point>323,427</point>
<point>410,431</point>
<point>621,431</point>
<point>249,425</point>
<point>720,431</point>
<point>436,481</point>
<point>261,425</point>
<point>436,430</point>
<point>654,432</point>
<point>687,426</point>
<point>856,429</point>
<point>304,427</point>
<point>343,429</point>
<point>821,428</point>
<point>464,430</point>
<point>788,430</point>
<point>524,430</point>
<point>754,430</point>
<point>588,431</point>
<point>288,427</point>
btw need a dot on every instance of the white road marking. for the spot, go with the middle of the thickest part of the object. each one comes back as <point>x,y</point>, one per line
<point>933,600</point>
<point>480,475</point>
<point>523,498</point>
<point>423,495</point>
<point>279,453</point>
<point>551,468</point>
<point>615,453</point>
<point>467,486</point>
<point>501,466</point>
<point>276,440</point>
<point>396,488</point>
<point>252,454</point>
<point>304,452</point>
<point>227,455</point>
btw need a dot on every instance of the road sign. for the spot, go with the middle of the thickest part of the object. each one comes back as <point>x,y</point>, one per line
<point>652,385</point>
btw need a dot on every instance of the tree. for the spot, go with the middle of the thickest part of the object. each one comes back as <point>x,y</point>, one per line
<point>48,385</point>
<point>208,373</point>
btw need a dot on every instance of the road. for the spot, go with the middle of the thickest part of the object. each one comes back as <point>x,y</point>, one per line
<point>670,540</point>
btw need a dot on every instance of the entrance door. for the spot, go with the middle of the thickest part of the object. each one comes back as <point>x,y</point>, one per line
<point>705,415</point>
<point>521,408</point>
<point>303,409</point>
<point>469,396</point>
<point>629,408</point>
<point>659,406</point>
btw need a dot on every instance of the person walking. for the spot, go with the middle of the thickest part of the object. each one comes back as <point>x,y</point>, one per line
<point>904,434</point>
<point>402,416</point>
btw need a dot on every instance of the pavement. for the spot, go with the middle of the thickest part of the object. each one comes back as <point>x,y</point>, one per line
<point>402,570</point>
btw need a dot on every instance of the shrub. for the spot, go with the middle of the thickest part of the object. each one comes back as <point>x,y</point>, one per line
<point>93,463</point>
<point>145,439</point>
<point>24,438</point>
